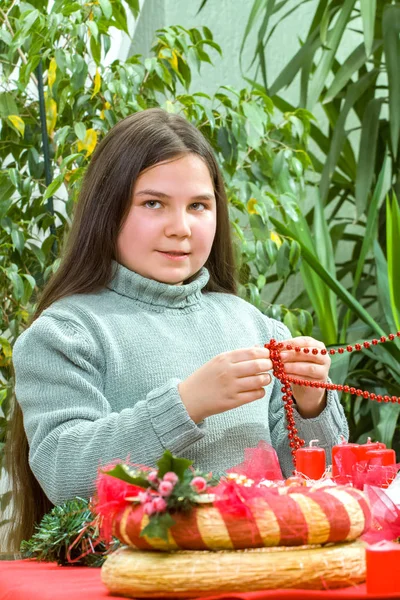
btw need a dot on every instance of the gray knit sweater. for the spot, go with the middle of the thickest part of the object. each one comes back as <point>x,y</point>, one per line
<point>97,379</point>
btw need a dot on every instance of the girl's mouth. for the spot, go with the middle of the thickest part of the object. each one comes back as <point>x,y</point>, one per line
<point>174,255</point>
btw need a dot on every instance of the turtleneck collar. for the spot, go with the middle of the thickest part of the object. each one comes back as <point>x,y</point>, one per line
<point>131,284</point>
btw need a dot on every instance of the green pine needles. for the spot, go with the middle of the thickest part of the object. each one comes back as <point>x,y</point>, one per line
<point>68,535</point>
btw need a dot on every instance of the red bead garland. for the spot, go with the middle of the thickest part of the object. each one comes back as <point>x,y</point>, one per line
<point>275,348</point>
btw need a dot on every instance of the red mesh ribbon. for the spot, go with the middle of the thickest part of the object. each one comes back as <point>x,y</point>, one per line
<point>376,475</point>
<point>112,494</point>
<point>361,473</point>
<point>260,463</point>
<point>385,516</point>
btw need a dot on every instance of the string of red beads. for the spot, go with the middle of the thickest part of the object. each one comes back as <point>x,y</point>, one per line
<point>275,348</point>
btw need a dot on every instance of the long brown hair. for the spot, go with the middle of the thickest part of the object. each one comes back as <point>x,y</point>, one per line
<point>136,143</point>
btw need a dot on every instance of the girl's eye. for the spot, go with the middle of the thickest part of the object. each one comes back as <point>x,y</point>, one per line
<point>196,205</point>
<point>151,202</point>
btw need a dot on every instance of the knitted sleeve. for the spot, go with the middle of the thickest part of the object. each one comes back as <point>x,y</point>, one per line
<point>327,427</point>
<point>69,423</point>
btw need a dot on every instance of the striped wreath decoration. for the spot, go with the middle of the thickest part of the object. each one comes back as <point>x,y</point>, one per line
<point>291,516</point>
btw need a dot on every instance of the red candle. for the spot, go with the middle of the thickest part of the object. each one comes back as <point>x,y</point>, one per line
<point>344,459</point>
<point>381,469</point>
<point>382,457</point>
<point>310,461</point>
<point>383,574</point>
<point>364,448</point>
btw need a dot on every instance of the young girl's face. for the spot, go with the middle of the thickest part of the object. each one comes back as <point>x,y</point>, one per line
<point>171,225</point>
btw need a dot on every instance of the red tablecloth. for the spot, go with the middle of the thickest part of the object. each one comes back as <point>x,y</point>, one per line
<point>29,580</point>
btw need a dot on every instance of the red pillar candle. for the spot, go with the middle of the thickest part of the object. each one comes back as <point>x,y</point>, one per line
<point>383,573</point>
<point>381,467</point>
<point>364,448</point>
<point>310,461</point>
<point>344,459</point>
<point>381,456</point>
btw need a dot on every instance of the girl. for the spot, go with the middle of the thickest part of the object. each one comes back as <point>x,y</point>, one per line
<point>139,342</point>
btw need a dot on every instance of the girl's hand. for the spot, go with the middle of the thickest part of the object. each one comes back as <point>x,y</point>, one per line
<point>225,382</point>
<point>311,367</point>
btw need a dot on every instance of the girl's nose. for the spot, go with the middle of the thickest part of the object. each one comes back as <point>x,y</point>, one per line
<point>178,224</point>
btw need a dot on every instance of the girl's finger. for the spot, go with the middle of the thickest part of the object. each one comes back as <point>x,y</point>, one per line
<point>292,356</point>
<point>308,371</point>
<point>249,368</point>
<point>304,342</point>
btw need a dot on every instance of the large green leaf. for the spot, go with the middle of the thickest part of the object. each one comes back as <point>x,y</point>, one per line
<point>269,10</point>
<point>391,42</point>
<point>383,285</point>
<point>301,58</point>
<point>324,67</point>
<point>355,91</point>
<point>324,248</point>
<point>368,238</point>
<point>372,217</point>
<point>393,255</point>
<point>367,153</point>
<point>350,66</point>
<point>368,12</point>
<point>327,278</point>
<point>258,7</point>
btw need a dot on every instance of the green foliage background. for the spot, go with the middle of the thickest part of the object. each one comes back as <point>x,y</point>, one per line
<point>267,152</point>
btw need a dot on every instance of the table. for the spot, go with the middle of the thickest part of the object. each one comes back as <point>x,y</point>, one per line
<point>31,580</point>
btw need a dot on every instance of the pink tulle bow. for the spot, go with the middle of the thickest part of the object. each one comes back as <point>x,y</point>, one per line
<point>259,463</point>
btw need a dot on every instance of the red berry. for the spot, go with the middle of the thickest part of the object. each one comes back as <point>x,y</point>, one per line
<point>375,342</point>
<point>383,339</point>
<point>340,350</point>
<point>391,336</point>
<point>349,348</point>
<point>323,351</point>
<point>386,398</point>
<point>346,388</point>
<point>357,346</point>
<point>365,394</point>
<point>314,351</point>
<point>332,351</point>
<point>379,398</point>
<point>306,350</point>
<point>297,349</point>
<point>367,344</point>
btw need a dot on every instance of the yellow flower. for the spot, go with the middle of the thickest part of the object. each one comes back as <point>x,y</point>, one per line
<point>275,238</point>
<point>51,75</point>
<point>251,207</point>
<point>89,143</point>
<point>97,83</point>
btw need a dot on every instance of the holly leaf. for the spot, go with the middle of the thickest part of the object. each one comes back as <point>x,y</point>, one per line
<point>129,475</point>
<point>158,526</point>
<point>168,462</point>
